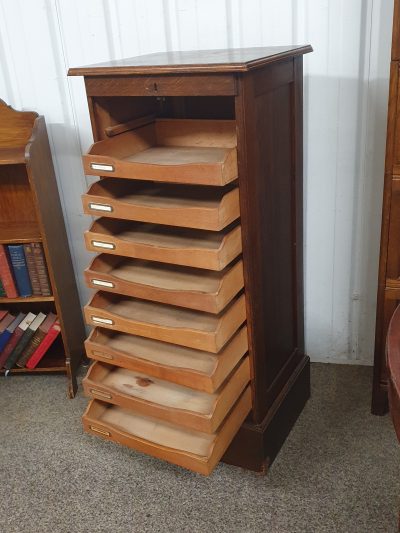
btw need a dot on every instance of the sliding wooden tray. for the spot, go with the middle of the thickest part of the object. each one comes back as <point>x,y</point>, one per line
<point>199,370</point>
<point>177,246</point>
<point>204,290</point>
<point>210,208</point>
<point>190,449</point>
<point>201,152</point>
<point>167,401</point>
<point>195,329</point>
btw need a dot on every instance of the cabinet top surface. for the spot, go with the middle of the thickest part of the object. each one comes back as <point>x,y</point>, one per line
<point>207,61</point>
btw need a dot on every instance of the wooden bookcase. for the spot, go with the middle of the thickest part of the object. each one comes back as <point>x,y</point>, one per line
<point>198,341</point>
<point>30,211</point>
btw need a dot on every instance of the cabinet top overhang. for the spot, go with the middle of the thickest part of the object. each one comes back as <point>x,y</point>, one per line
<point>187,62</point>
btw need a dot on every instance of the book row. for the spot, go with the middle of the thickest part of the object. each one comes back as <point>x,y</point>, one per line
<point>25,338</point>
<point>23,271</point>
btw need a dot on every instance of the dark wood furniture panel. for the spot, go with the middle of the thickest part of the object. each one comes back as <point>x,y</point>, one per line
<point>388,278</point>
<point>266,106</point>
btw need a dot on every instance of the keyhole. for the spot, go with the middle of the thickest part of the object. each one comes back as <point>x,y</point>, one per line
<point>155,87</point>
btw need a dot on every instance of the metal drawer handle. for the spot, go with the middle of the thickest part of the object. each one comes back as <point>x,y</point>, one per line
<point>101,394</point>
<point>100,207</point>
<point>102,283</point>
<point>100,244</point>
<point>100,320</point>
<point>101,431</point>
<point>99,166</point>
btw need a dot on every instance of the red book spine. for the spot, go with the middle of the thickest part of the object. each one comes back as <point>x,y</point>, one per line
<point>44,345</point>
<point>6,275</point>
<point>9,347</point>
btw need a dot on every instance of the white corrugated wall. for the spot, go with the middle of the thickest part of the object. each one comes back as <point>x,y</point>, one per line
<point>346,87</point>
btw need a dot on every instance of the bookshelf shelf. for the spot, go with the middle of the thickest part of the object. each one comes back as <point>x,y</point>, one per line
<point>19,232</point>
<point>29,299</point>
<point>38,370</point>
<point>30,212</point>
<point>11,156</point>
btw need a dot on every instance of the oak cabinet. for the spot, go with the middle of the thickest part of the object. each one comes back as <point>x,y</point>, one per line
<point>198,341</point>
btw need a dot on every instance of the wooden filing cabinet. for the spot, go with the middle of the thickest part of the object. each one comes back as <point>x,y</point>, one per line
<point>198,342</point>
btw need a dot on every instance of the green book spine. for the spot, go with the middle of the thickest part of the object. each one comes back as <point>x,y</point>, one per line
<point>2,291</point>
<point>31,347</point>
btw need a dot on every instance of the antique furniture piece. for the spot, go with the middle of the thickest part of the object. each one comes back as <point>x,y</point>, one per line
<point>393,367</point>
<point>389,262</point>
<point>198,341</point>
<point>30,211</point>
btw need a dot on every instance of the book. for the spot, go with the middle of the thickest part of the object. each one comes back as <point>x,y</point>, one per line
<point>12,342</point>
<point>20,269</point>
<point>3,313</point>
<point>6,321</point>
<point>35,341</point>
<point>18,334</point>
<point>24,341</point>
<point>2,290</point>
<point>32,270</point>
<point>40,351</point>
<point>5,337</point>
<point>41,269</point>
<point>6,274</point>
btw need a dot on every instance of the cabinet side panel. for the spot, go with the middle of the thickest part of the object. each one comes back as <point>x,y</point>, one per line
<point>269,111</point>
<point>44,188</point>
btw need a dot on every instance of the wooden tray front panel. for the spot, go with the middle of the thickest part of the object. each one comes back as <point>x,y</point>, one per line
<point>176,246</point>
<point>168,442</point>
<point>199,289</point>
<point>199,207</point>
<point>202,331</point>
<point>201,152</point>
<point>197,369</point>
<point>158,398</point>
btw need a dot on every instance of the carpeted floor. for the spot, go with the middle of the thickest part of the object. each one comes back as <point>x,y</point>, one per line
<point>337,472</point>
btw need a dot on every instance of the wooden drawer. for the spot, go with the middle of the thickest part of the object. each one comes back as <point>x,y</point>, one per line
<point>184,85</point>
<point>199,289</point>
<point>189,206</point>
<point>190,449</point>
<point>201,152</point>
<point>178,246</point>
<point>167,401</point>
<point>195,329</point>
<point>199,370</point>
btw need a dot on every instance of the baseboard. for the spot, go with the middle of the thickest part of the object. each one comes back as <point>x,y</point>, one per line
<point>340,361</point>
<point>256,445</point>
